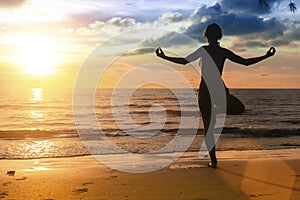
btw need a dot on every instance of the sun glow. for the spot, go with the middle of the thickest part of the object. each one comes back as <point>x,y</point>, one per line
<point>37,56</point>
<point>39,62</point>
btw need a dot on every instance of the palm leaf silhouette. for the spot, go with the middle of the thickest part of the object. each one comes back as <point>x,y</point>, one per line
<point>292,7</point>
<point>263,4</point>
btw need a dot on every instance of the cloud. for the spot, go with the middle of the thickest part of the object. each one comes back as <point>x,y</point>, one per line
<point>233,24</point>
<point>11,3</point>
<point>100,32</point>
<point>256,44</point>
<point>249,29</point>
<point>121,22</point>
<point>169,18</point>
<point>101,29</point>
<point>146,10</point>
<point>248,6</point>
<point>290,36</point>
<point>249,44</point>
<point>141,51</point>
<point>168,40</point>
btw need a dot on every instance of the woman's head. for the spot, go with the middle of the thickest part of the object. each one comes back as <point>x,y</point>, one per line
<point>213,33</point>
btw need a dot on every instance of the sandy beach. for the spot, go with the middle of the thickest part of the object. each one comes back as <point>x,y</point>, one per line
<point>188,178</point>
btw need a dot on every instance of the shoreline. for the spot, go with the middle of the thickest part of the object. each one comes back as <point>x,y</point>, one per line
<point>269,177</point>
<point>285,153</point>
<point>73,147</point>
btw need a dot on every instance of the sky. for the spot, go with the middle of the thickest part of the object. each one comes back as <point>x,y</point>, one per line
<point>43,43</point>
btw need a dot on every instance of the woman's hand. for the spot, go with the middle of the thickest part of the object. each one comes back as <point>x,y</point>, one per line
<point>271,52</point>
<point>160,53</point>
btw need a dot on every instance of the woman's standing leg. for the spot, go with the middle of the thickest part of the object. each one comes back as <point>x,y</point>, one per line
<point>206,112</point>
<point>210,143</point>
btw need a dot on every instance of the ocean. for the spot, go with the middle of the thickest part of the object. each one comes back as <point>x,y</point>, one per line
<point>38,123</point>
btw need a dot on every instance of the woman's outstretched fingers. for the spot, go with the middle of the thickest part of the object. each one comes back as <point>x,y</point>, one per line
<point>271,51</point>
<point>158,51</point>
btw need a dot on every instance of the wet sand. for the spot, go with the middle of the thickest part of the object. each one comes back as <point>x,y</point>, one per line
<point>188,178</point>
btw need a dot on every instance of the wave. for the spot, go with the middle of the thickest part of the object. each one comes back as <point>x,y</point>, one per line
<point>294,122</point>
<point>31,106</point>
<point>66,143</point>
<point>261,132</point>
<point>36,133</point>
<point>116,132</point>
<point>227,131</point>
<point>21,157</point>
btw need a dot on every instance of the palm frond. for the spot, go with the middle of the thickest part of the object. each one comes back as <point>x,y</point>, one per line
<point>263,4</point>
<point>292,7</point>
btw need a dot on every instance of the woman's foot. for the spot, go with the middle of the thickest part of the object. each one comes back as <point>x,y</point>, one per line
<point>213,164</point>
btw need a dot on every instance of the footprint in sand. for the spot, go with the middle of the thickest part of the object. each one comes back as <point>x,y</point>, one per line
<point>6,183</point>
<point>87,183</point>
<point>81,190</point>
<point>22,178</point>
<point>11,173</point>
<point>113,176</point>
<point>3,195</point>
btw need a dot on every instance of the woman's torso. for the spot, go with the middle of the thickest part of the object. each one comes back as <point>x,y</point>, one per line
<point>219,55</point>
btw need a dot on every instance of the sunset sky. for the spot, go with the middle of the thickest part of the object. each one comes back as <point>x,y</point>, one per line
<point>44,42</point>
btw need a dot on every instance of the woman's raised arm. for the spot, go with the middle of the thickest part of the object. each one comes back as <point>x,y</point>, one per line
<point>179,60</point>
<point>249,61</point>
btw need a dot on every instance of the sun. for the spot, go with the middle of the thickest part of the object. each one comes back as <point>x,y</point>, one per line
<point>39,62</point>
<point>37,57</point>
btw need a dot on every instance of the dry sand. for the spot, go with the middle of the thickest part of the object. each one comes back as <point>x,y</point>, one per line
<point>86,178</point>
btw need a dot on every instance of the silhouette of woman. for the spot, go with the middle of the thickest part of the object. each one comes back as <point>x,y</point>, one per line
<point>213,33</point>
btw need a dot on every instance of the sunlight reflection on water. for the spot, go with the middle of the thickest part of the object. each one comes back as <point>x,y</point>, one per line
<point>36,114</point>
<point>37,97</point>
<point>37,94</point>
<point>35,148</point>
